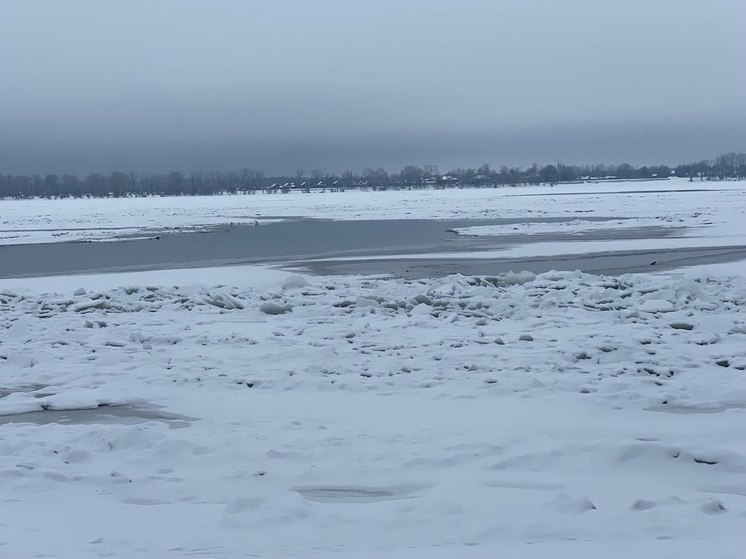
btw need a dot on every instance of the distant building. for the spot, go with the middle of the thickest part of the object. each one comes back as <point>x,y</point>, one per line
<point>447,180</point>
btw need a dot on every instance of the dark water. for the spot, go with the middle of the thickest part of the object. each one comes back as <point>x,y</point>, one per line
<point>302,243</point>
<point>271,243</point>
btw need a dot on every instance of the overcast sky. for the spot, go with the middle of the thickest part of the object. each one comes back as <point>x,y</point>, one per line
<point>146,85</point>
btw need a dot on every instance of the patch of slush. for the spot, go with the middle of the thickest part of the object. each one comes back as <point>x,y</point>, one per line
<point>120,414</point>
<point>355,494</point>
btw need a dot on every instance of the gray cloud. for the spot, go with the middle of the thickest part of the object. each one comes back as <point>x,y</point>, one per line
<point>334,84</point>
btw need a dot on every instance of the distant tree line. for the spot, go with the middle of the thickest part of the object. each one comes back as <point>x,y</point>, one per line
<point>723,167</point>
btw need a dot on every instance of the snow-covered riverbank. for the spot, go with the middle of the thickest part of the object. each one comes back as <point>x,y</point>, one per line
<point>563,414</point>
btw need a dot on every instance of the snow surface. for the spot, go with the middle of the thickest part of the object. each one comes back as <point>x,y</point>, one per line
<point>248,412</point>
<point>559,415</point>
<point>737,268</point>
<point>235,276</point>
<point>572,227</point>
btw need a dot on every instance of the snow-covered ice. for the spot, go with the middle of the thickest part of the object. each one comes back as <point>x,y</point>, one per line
<point>563,415</point>
<point>236,276</point>
<point>571,227</point>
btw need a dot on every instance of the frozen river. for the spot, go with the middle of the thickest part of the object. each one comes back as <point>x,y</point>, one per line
<point>409,248</point>
<point>605,228</point>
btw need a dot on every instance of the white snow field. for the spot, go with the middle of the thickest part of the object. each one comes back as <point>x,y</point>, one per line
<point>713,213</point>
<point>559,415</point>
